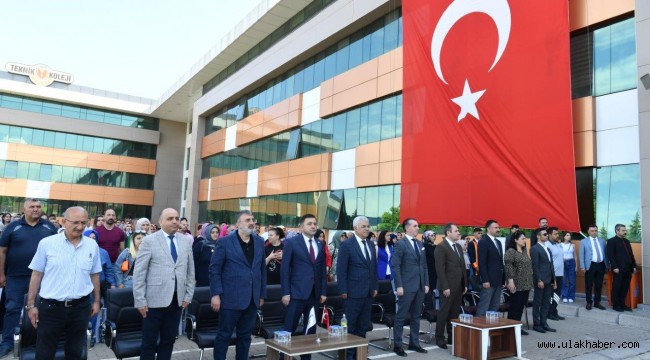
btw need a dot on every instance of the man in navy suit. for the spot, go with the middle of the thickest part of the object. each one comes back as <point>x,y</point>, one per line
<point>543,281</point>
<point>237,285</point>
<point>592,262</point>
<point>356,269</point>
<point>490,259</point>
<point>303,275</point>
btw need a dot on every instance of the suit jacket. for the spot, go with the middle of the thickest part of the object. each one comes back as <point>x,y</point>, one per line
<point>620,255</point>
<point>156,272</point>
<point>233,278</point>
<point>409,272</point>
<point>490,262</point>
<point>383,262</point>
<point>472,252</point>
<point>542,266</point>
<point>298,274</point>
<point>587,252</point>
<point>356,276</point>
<point>450,267</point>
<point>429,251</point>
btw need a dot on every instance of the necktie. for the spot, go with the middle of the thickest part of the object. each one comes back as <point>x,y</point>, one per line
<point>312,255</point>
<point>550,257</point>
<point>365,250</point>
<point>456,249</point>
<point>416,248</point>
<point>498,245</point>
<point>172,247</point>
<point>598,256</point>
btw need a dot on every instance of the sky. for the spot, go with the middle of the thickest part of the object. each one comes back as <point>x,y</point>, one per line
<point>135,47</point>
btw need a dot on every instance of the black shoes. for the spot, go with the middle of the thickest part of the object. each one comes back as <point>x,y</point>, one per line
<point>399,351</point>
<point>553,317</point>
<point>524,332</point>
<point>599,306</point>
<point>417,349</point>
<point>618,308</point>
<point>589,305</point>
<point>539,329</point>
<point>548,328</point>
<point>627,308</point>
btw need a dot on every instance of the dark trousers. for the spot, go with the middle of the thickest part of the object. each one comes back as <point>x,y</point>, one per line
<point>449,309</point>
<point>15,291</point>
<point>430,300</point>
<point>357,312</point>
<point>558,291</point>
<point>410,303</point>
<point>594,280</point>
<point>54,320</point>
<point>620,287</point>
<point>541,304</point>
<point>518,302</point>
<point>295,309</point>
<point>163,323</point>
<point>229,320</point>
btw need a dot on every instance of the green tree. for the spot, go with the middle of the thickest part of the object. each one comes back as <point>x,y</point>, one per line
<point>603,232</point>
<point>634,234</point>
<point>389,220</point>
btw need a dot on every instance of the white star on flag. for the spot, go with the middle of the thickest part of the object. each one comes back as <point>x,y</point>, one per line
<point>467,102</point>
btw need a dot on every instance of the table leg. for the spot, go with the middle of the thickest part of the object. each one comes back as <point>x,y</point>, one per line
<point>362,353</point>
<point>342,355</point>
<point>485,338</point>
<point>453,339</point>
<point>272,354</point>
<point>518,340</point>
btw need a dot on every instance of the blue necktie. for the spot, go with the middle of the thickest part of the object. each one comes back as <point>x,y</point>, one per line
<point>416,248</point>
<point>172,247</point>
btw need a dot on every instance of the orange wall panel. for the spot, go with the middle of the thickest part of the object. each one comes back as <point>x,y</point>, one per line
<point>273,187</point>
<point>274,171</point>
<point>270,121</point>
<point>584,118</point>
<point>367,154</point>
<point>584,145</point>
<point>213,143</point>
<point>355,76</point>
<point>588,12</point>
<point>366,175</point>
<point>357,95</point>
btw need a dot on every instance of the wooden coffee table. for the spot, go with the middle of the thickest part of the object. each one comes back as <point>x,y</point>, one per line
<point>302,345</point>
<point>470,340</point>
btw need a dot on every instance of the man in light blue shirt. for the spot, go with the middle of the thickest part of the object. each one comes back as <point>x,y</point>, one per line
<point>555,248</point>
<point>66,269</point>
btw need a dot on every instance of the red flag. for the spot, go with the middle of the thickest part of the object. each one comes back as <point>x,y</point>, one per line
<point>325,319</point>
<point>487,128</point>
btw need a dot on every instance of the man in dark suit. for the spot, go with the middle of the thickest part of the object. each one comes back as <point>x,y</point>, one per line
<point>429,238</point>
<point>543,281</point>
<point>304,280</point>
<point>623,265</point>
<point>490,259</point>
<point>452,282</point>
<point>592,262</point>
<point>237,285</point>
<point>411,279</point>
<point>356,269</point>
<point>163,283</point>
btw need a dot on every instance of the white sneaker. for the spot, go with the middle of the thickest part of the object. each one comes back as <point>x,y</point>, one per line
<point>565,300</point>
<point>570,300</point>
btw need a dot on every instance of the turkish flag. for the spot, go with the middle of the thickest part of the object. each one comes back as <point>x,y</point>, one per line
<point>487,127</point>
<point>325,319</point>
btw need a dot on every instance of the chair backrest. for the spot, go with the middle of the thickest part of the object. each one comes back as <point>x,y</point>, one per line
<point>273,310</point>
<point>200,308</point>
<point>335,302</point>
<point>386,296</point>
<point>120,310</point>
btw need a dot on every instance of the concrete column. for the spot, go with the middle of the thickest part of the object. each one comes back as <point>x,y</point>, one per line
<point>168,183</point>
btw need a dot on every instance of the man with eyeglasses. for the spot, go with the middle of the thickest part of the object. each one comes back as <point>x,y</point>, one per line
<point>543,281</point>
<point>66,270</point>
<point>17,248</point>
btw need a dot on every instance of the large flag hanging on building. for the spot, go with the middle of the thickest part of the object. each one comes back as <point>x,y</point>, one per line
<point>487,127</point>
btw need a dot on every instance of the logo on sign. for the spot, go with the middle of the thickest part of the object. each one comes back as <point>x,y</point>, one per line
<point>39,74</point>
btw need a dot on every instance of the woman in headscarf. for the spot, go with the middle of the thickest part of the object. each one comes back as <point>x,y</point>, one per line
<point>202,252</point>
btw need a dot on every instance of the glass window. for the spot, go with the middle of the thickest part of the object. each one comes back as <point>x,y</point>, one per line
<point>49,139</point>
<point>59,140</point>
<point>46,173</point>
<point>353,126</point>
<point>339,132</point>
<point>22,171</point>
<point>4,133</point>
<point>11,169</point>
<point>14,134</point>
<point>374,122</point>
<point>34,171</point>
<point>388,119</point>
<point>37,137</point>
<point>618,200</point>
<point>615,58</point>
<point>581,64</point>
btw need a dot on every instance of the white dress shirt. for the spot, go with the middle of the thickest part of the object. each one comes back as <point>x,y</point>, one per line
<point>314,244</point>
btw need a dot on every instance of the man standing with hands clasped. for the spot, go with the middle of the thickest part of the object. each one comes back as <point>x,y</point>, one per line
<point>411,278</point>
<point>66,270</point>
<point>357,278</point>
<point>543,281</point>
<point>623,265</point>
<point>163,285</point>
<point>452,282</point>
<point>237,285</point>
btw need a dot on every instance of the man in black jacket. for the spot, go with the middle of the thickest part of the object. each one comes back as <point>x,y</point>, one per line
<point>543,281</point>
<point>623,265</point>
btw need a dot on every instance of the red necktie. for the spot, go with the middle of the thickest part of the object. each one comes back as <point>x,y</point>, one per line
<point>312,255</point>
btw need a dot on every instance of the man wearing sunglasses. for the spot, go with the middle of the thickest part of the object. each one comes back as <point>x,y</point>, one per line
<point>543,281</point>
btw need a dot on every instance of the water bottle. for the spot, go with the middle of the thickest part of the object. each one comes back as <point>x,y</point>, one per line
<point>344,324</point>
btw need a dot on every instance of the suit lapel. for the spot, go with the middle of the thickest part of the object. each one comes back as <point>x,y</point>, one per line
<point>165,248</point>
<point>238,250</point>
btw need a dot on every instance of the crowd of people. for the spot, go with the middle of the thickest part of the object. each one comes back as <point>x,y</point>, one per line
<point>70,263</point>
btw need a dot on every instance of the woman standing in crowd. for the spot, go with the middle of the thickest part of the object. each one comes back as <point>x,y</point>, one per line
<point>125,263</point>
<point>273,250</point>
<point>384,256</point>
<point>569,280</point>
<point>202,251</point>
<point>320,235</point>
<point>463,244</point>
<point>6,219</point>
<point>519,275</point>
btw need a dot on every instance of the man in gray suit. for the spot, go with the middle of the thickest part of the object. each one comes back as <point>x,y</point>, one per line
<point>543,281</point>
<point>592,262</point>
<point>411,278</point>
<point>163,285</point>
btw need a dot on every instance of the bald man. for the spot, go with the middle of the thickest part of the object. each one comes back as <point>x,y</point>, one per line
<point>163,285</point>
